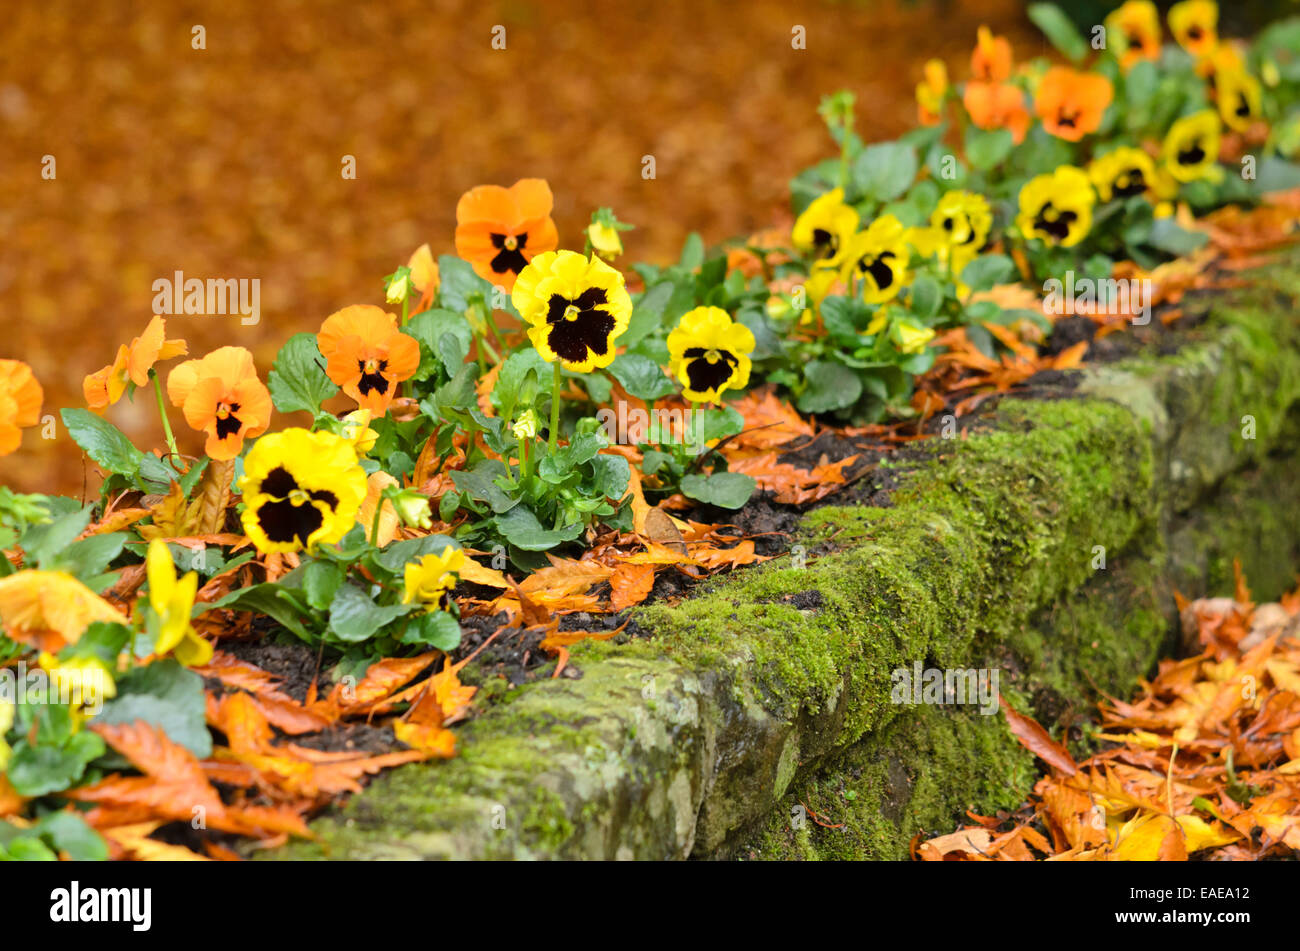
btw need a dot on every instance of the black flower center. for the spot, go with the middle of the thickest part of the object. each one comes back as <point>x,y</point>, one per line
<point>1057,224</point>
<point>228,423</point>
<point>579,325</point>
<point>1068,117</point>
<point>1130,182</point>
<point>825,244</point>
<point>1243,107</point>
<point>1193,154</point>
<point>372,377</point>
<point>510,253</point>
<point>286,518</point>
<point>879,269</point>
<point>709,374</point>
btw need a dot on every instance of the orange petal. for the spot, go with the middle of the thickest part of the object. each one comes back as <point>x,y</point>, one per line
<point>372,324</point>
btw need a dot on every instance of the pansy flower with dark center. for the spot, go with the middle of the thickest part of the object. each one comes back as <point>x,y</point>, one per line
<point>1057,207</point>
<point>825,227</point>
<point>221,396</point>
<point>575,308</point>
<point>367,355</point>
<point>1133,29</point>
<point>1195,25</point>
<point>964,217</point>
<point>1071,103</point>
<point>875,260</point>
<point>499,230</point>
<point>1122,173</point>
<point>708,353</point>
<point>300,489</point>
<point>1191,147</point>
<point>1238,96</point>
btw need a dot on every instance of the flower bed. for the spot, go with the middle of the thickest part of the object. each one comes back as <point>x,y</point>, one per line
<point>524,450</point>
<point>776,682</point>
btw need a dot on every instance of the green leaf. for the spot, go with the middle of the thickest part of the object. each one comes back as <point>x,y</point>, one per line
<point>885,170</point>
<point>987,270</point>
<point>355,617</point>
<point>320,582</point>
<point>165,695</point>
<point>610,476</point>
<point>692,252</point>
<point>103,442</point>
<point>641,376</point>
<point>647,313</point>
<point>1168,236</point>
<point>1059,30</point>
<point>270,599</point>
<point>69,833</point>
<point>926,296</point>
<point>1275,175</point>
<point>398,555</point>
<point>830,386</point>
<point>434,629</point>
<point>90,556</point>
<point>45,542</point>
<point>430,326</point>
<point>512,389</point>
<point>520,528</point>
<point>556,466</point>
<point>987,148</point>
<point>710,424</point>
<point>297,381</point>
<point>728,490</point>
<point>458,283</point>
<point>46,768</point>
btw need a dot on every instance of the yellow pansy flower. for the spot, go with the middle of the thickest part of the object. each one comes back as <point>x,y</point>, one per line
<point>301,489</point>
<point>708,353</point>
<point>429,580</point>
<point>825,226</point>
<point>172,600</point>
<point>1191,147</point>
<point>1057,207</point>
<point>575,308</point>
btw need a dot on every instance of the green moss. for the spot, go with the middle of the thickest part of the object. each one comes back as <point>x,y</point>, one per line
<point>920,773</point>
<point>957,555</point>
<point>773,684</point>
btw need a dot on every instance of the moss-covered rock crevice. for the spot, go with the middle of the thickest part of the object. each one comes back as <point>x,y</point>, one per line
<point>1046,549</point>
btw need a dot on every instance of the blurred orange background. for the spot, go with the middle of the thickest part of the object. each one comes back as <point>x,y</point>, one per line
<point>225,162</point>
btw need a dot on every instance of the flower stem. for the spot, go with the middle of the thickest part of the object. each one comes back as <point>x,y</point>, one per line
<point>844,154</point>
<point>525,469</point>
<point>555,408</point>
<point>162,412</point>
<point>374,524</point>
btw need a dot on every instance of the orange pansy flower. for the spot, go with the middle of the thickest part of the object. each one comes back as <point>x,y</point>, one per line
<point>105,387</point>
<point>997,106</point>
<point>20,403</point>
<point>367,355</point>
<point>991,61</point>
<point>50,609</point>
<point>499,230</point>
<point>221,395</point>
<point>1071,103</point>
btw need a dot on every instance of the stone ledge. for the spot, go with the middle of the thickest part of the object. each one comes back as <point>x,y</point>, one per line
<point>690,743</point>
